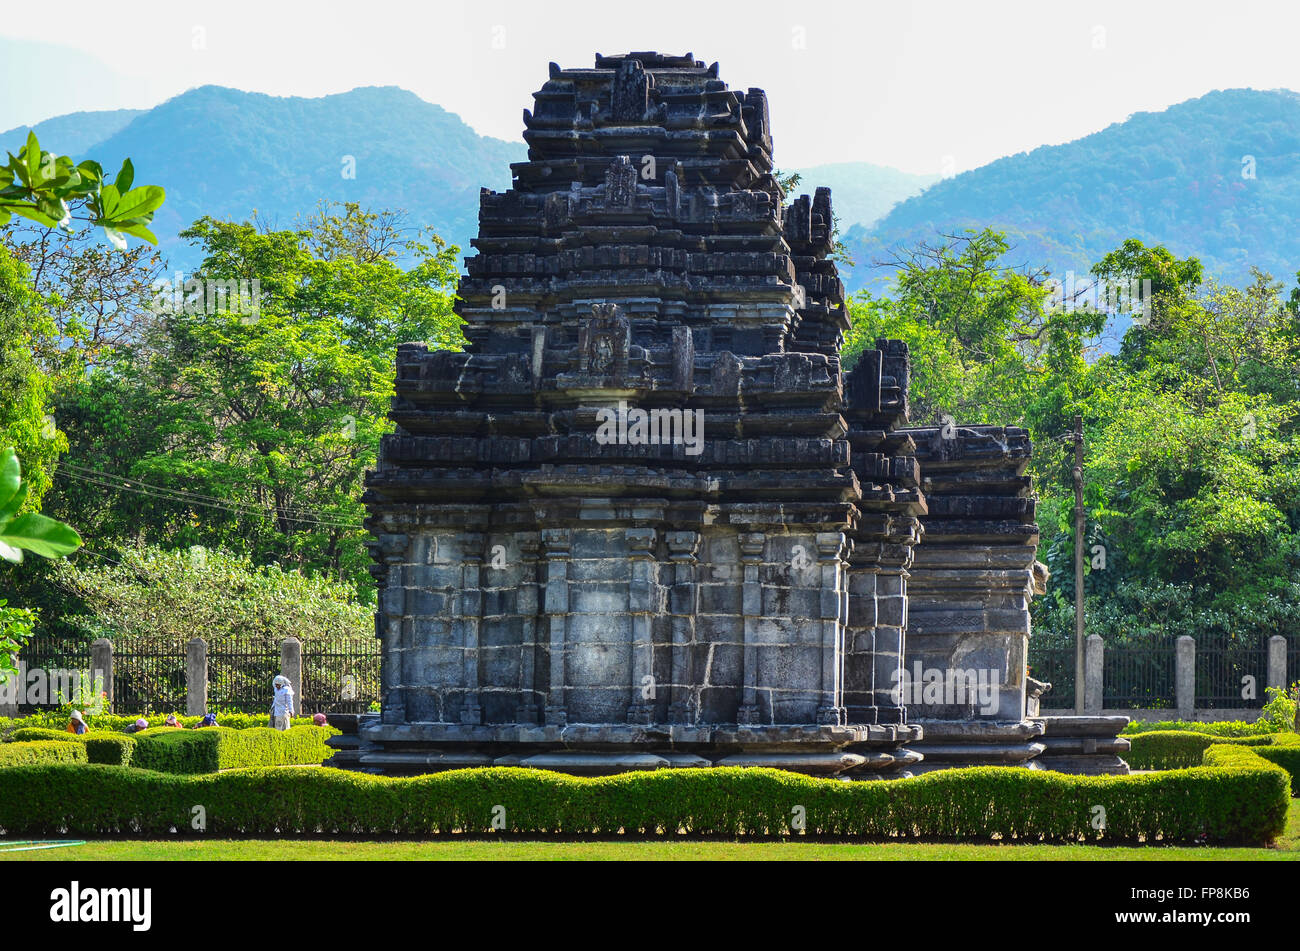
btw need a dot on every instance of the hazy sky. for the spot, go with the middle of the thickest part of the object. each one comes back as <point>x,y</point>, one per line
<point>929,87</point>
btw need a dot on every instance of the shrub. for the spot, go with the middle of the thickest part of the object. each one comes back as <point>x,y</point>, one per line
<point>118,723</point>
<point>1279,712</point>
<point>41,751</point>
<point>30,733</point>
<point>169,750</point>
<point>114,749</point>
<point>1219,728</point>
<point>1285,752</point>
<point>1170,749</point>
<point>1244,802</point>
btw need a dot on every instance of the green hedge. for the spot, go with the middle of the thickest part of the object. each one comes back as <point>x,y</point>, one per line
<point>169,750</point>
<point>1217,728</point>
<point>118,722</point>
<point>1246,803</point>
<point>30,733</point>
<point>1169,749</point>
<point>114,749</point>
<point>14,755</point>
<point>1284,751</point>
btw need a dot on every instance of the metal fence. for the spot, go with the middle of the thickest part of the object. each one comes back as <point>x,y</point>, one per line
<point>1231,677</point>
<point>49,655</point>
<point>1055,665</point>
<point>148,676</point>
<point>1138,678</point>
<point>240,675</point>
<point>340,675</point>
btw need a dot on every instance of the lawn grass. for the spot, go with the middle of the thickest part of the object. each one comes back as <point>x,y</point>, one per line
<point>1286,848</point>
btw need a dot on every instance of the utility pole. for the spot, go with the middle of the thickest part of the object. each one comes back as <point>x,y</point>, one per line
<point>1077,474</point>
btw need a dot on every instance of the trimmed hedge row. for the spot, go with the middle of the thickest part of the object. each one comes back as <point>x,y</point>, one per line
<point>1170,749</point>
<point>113,749</point>
<point>1217,728</point>
<point>1286,754</point>
<point>1244,803</point>
<point>30,733</point>
<point>40,751</point>
<point>118,722</point>
<point>169,750</point>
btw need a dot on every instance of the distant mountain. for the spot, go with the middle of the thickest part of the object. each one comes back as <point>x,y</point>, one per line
<point>226,153</point>
<point>863,192</point>
<point>1217,177</point>
<point>73,134</point>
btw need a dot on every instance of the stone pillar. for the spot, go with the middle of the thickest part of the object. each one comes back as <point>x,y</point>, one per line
<point>642,604</point>
<point>751,598</point>
<point>390,553</point>
<point>101,666</point>
<point>470,609</point>
<point>1277,662</point>
<point>834,618</point>
<point>558,542</point>
<point>1185,676</point>
<point>196,677</point>
<point>683,604</point>
<point>526,604</point>
<point>291,667</point>
<point>860,638</point>
<point>891,621</point>
<point>1094,656</point>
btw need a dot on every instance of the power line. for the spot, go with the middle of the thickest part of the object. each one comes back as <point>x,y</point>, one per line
<point>187,494</point>
<point>124,485</point>
<point>170,496</point>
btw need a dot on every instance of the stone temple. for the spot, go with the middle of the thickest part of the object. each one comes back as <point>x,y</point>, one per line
<point>646,520</point>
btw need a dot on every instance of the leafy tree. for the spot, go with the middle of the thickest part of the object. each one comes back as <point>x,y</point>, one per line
<point>25,422</point>
<point>23,531</point>
<point>98,295</point>
<point>986,346</point>
<point>166,596</point>
<point>258,424</point>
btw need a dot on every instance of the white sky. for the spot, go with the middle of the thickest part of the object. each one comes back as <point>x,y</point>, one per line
<point>927,87</point>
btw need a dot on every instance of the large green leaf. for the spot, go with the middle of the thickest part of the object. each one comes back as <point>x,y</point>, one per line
<point>13,506</point>
<point>11,475</point>
<point>125,177</point>
<point>41,535</point>
<point>138,231</point>
<point>136,203</point>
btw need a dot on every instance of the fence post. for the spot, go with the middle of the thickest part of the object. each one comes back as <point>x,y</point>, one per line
<point>1093,656</point>
<point>291,667</point>
<point>1277,662</point>
<point>1185,676</point>
<point>101,665</point>
<point>196,677</point>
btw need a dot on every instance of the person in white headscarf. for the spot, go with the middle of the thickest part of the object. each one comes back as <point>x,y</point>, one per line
<point>282,707</point>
